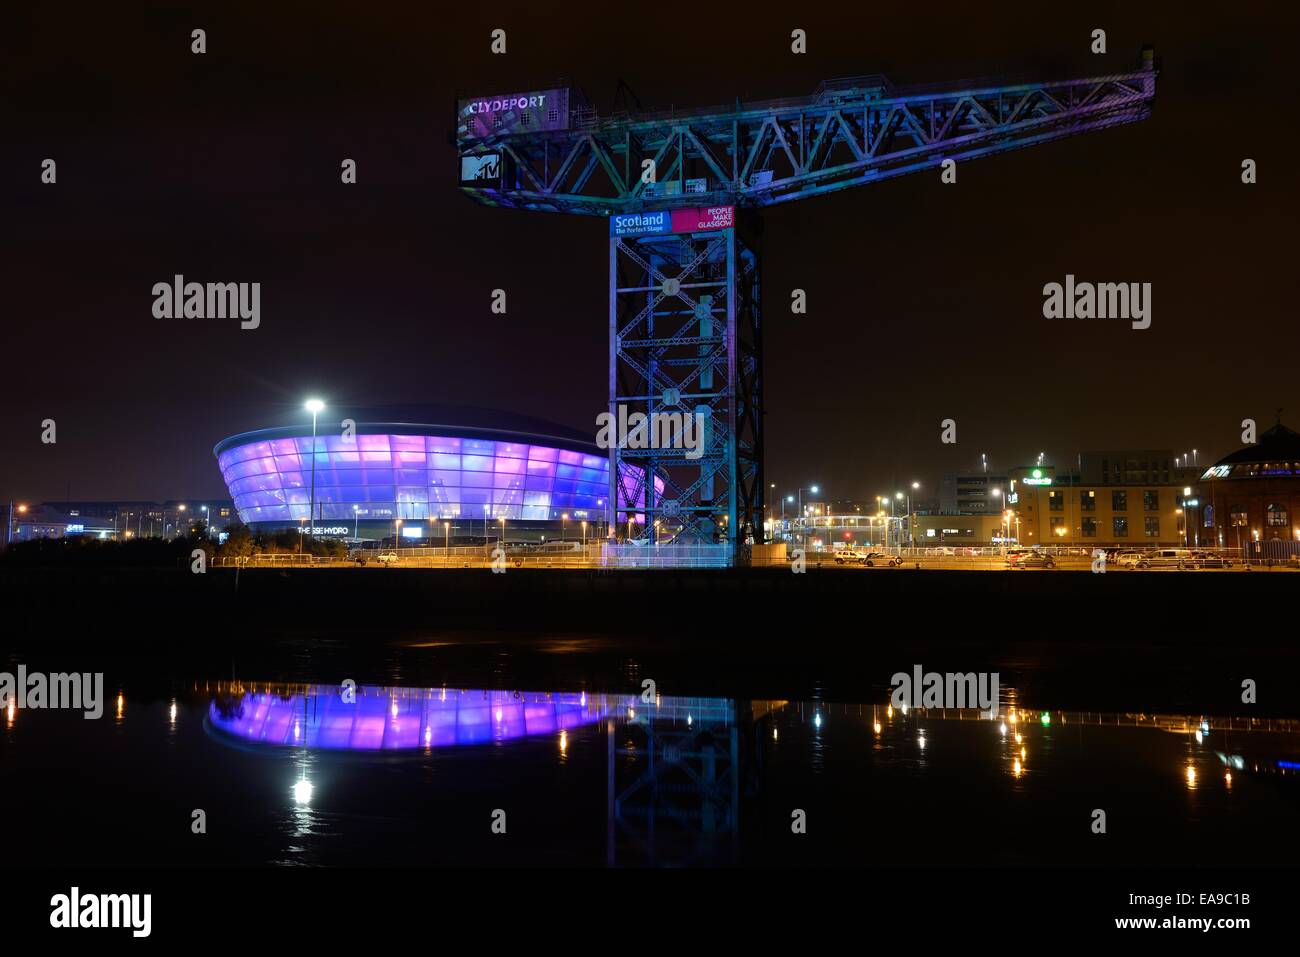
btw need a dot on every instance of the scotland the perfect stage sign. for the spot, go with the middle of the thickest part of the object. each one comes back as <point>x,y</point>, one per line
<point>663,221</point>
<point>641,224</point>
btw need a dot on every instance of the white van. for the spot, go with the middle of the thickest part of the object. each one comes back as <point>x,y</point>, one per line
<point>1167,558</point>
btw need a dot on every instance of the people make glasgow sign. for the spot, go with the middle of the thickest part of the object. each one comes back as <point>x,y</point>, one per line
<point>663,221</point>
<point>481,117</point>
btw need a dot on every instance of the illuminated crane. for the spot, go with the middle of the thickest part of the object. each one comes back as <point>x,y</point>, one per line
<point>681,192</point>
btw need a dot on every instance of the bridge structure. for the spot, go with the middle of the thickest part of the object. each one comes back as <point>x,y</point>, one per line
<point>682,192</point>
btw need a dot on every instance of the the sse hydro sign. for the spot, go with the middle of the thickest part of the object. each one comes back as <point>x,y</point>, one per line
<point>484,116</point>
<point>664,221</point>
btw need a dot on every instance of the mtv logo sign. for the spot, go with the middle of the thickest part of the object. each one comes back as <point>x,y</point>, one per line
<point>483,168</point>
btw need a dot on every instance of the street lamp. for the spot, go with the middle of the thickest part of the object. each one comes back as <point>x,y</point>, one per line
<point>10,527</point>
<point>564,517</point>
<point>911,520</point>
<point>584,533</point>
<point>314,406</point>
<point>997,493</point>
<point>356,522</point>
<point>802,517</point>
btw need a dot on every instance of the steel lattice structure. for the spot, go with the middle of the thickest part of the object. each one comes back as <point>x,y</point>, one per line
<point>684,300</point>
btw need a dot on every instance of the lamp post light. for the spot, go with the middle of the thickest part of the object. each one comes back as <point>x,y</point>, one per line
<point>802,517</point>
<point>314,406</point>
<point>898,536</point>
<point>564,518</point>
<point>997,493</point>
<point>397,533</point>
<point>911,518</point>
<point>502,520</point>
<point>356,522</point>
<point>584,533</point>
<point>9,529</point>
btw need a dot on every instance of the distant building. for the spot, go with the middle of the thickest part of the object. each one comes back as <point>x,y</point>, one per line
<point>42,521</point>
<point>1044,508</point>
<point>120,519</point>
<point>973,492</point>
<point>1250,499</point>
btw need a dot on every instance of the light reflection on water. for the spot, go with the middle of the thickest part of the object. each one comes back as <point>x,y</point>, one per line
<point>677,780</point>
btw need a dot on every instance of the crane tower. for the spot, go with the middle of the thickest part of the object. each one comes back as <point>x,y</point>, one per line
<point>682,193</point>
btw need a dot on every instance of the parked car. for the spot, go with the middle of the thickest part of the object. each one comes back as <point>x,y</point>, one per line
<point>1206,559</point>
<point>940,550</point>
<point>1126,559</point>
<point>1167,558</point>
<point>880,558</point>
<point>386,558</point>
<point>1030,558</point>
<point>1036,560</point>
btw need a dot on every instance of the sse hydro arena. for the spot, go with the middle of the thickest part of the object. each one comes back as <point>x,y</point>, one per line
<point>424,475</point>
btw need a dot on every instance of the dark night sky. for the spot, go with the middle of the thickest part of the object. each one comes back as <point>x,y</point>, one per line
<point>225,167</point>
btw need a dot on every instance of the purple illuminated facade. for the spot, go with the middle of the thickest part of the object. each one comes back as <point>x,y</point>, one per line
<point>419,474</point>
<point>400,719</point>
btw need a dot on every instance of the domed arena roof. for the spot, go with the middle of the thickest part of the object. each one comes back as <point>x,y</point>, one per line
<point>450,420</point>
<point>1277,453</point>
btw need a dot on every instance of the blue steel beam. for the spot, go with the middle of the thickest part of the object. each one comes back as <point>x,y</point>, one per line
<point>849,133</point>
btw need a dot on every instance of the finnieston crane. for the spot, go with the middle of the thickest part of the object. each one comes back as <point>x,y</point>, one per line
<point>684,230</point>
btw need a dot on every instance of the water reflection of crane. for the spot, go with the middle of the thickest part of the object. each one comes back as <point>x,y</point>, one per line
<point>674,772</point>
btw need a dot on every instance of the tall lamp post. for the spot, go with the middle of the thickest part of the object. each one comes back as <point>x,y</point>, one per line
<point>911,519</point>
<point>314,406</point>
<point>802,518</point>
<point>997,493</point>
<point>9,529</point>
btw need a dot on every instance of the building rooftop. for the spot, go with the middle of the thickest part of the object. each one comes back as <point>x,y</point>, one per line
<point>1278,444</point>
